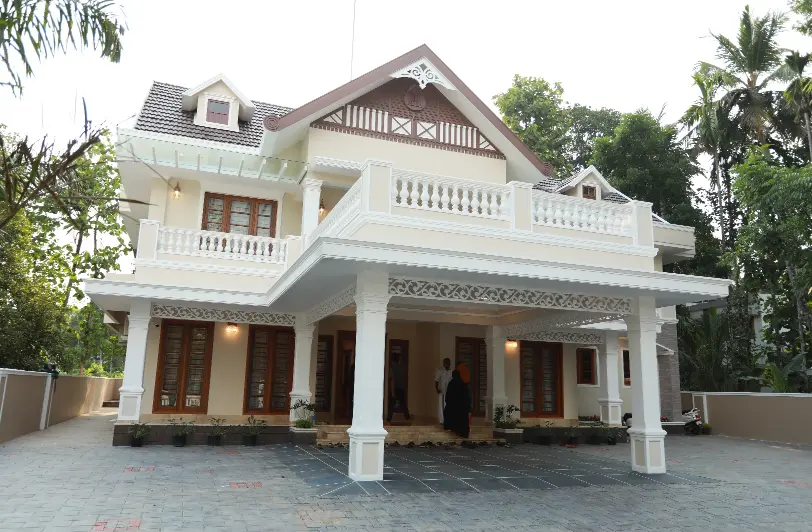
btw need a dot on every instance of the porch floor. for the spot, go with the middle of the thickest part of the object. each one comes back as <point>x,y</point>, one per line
<point>430,470</point>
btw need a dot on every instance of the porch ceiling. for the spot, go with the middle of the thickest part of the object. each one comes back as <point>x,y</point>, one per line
<point>331,266</point>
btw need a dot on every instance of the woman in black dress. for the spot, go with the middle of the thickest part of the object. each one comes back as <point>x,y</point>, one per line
<point>457,406</point>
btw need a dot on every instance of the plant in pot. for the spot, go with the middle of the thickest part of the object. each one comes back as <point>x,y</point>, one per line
<point>218,430</point>
<point>545,438</point>
<point>253,428</point>
<point>706,428</point>
<point>304,414</point>
<point>181,429</point>
<point>138,431</point>
<point>613,436</point>
<point>506,424</point>
<point>571,437</point>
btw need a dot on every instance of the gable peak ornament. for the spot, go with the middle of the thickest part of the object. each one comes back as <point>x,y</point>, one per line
<point>423,72</point>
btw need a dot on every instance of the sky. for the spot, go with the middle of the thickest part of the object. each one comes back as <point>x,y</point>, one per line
<point>623,55</point>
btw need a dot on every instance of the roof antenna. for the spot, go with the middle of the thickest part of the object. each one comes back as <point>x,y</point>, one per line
<point>352,45</point>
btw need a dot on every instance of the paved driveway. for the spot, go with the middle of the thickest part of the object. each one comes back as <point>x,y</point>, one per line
<point>70,478</point>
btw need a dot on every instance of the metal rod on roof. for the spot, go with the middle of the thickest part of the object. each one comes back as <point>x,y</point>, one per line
<point>352,44</point>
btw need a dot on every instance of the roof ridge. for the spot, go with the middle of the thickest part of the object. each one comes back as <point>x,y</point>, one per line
<point>182,88</point>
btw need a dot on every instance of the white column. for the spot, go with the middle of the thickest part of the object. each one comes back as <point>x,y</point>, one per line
<point>646,433</point>
<point>311,197</point>
<point>132,385</point>
<point>609,377</point>
<point>495,342</point>
<point>367,433</point>
<point>303,351</point>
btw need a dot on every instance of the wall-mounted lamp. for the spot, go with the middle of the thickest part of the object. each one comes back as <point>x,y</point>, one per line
<point>321,208</point>
<point>232,328</point>
<point>176,191</point>
<point>511,344</point>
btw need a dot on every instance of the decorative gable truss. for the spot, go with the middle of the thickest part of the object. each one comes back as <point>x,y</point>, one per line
<point>403,112</point>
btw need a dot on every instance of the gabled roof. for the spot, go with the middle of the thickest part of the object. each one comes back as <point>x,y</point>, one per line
<point>469,103</point>
<point>190,96</point>
<point>163,113</point>
<point>583,174</point>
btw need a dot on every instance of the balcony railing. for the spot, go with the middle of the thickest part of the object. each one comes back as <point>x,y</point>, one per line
<point>557,210</point>
<point>446,194</point>
<point>200,243</point>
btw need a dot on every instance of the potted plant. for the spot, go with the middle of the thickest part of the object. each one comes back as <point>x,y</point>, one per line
<point>138,431</point>
<point>253,428</point>
<point>545,438</point>
<point>706,428</point>
<point>304,414</point>
<point>506,424</point>
<point>218,430</point>
<point>181,429</point>
<point>612,436</point>
<point>571,437</point>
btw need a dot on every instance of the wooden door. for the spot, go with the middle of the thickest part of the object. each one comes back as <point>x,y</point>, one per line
<point>399,348</point>
<point>541,369</point>
<point>345,378</point>
<point>324,374</point>
<point>474,354</point>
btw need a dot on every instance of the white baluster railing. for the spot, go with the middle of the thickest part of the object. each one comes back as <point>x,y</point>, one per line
<point>200,243</point>
<point>334,221</point>
<point>556,210</point>
<point>447,194</point>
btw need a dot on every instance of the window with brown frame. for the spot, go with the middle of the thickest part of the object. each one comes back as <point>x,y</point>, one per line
<point>217,112</point>
<point>589,192</point>
<point>238,215</point>
<point>184,364</point>
<point>586,366</point>
<point>541,369</point>
<point>627,372</point>
<point>323,391</point>
<point>269,370</point>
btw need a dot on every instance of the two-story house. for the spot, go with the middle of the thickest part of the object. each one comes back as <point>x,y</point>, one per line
<point>289,254</point>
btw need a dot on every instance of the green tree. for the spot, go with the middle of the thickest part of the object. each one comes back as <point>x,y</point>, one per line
<point>95,345</point>
<point>535,110</point>
<point>645,160</point>
<point>587,125</point>
<point>797,92</point>
<point>803,8</point>
<point>42,28</point>
<point>704,364</point>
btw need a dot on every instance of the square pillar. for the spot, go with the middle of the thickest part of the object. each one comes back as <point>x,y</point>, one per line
<point>302,354</point>
<point>521,206</point>
<point>495,343</point>
<point>646,433</point>
<point>609,377</point>
<point>367,433</point>
<point>132,384</point>
<point>311,198</point>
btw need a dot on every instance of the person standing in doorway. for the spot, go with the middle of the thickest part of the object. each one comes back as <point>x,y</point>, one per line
<point>397,387</point>
<point>441,379</point>
<point>458,406</point>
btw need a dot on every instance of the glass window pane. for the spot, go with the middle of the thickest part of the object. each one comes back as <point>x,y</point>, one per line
<point>196,367</point>
<point>259,369</point>
<point>283,359</point>
<point>173,352</point>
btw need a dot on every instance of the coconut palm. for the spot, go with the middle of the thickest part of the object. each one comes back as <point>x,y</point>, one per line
<point>751,63</point>
<point>703,349</point>
<point>797,92</point>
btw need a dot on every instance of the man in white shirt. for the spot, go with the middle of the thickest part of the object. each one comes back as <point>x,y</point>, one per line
<point>441,380</point>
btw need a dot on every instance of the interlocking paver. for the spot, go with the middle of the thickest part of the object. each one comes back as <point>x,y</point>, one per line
<point>69,478</point>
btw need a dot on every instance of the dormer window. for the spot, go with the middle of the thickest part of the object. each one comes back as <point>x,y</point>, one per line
<point>217,112</point>
<point>589,192</point>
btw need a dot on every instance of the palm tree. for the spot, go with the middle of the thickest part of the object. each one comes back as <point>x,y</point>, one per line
<point>797,93</point>
<point>750,64</point>
<point>703,348</point>
<point>704,120</point>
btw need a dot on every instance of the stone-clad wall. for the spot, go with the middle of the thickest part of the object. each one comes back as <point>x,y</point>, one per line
<point>670,401</point>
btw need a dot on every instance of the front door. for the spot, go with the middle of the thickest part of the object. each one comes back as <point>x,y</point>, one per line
<point>399,349</point>
<point>473,353</point>
<point>345,378</point>
<point>541,364</point>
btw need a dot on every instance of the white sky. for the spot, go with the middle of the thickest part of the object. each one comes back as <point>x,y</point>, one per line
<point>623,55</point>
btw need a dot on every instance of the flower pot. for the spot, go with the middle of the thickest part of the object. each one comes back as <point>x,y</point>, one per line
<point>179,440</point>
<point>250,439</point>
<point>215,439</point>
<point>572,442</point>
<point>136,441</point>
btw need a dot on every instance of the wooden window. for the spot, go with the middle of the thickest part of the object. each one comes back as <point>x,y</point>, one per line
<point>627,372</point>
<point>541,368</point>
<point>269,370</point>
<point>244,216</point>
<point>217,112</point>
<point>586,366</point>
<point>324,374</point>
<point>184,364</point>
<point>589,192</point>
<point>473,352</point>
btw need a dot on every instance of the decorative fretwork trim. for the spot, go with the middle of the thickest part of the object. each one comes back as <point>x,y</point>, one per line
<point>406,140</point>
<point>507,296</point>
<point>236,316</point>
<point>331,306</point>
<point>558,321</point>
<point>564,337</point>
<point>423,72</point>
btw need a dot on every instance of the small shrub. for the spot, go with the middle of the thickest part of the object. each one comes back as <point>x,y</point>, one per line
<point>140,430</point>
<point>217,426</point>
<point>181,428</point>
<point>503,417</point>
<point>254,426</point>
<point>303,424</point>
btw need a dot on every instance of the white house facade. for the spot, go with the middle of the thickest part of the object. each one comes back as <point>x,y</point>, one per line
<point>289,254</point>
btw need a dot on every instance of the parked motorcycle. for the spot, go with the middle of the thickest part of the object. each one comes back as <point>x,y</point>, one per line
<point>692,421</point>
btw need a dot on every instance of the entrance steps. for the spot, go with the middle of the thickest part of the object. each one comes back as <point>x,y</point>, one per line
<point>110,404</point>
<point>404,434</point>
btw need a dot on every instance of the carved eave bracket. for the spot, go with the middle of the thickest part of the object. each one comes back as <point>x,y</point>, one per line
<point>423,72</point>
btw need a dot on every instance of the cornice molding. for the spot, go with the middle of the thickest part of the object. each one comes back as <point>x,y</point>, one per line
<point>331,306</point>
<point>236,316</point>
